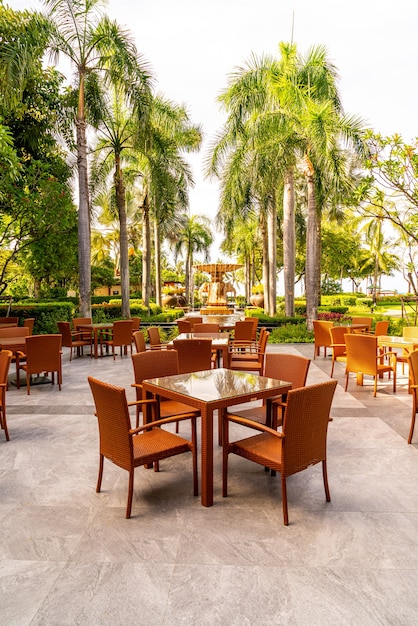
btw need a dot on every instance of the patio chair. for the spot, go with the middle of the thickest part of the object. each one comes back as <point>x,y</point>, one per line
<point>408,332</point>
<point>206,327</point>
<point>254,321</point>
<point>139,341</point>
<point>301,443</point>
<point>194,319</point>
<point>362,320</point>
<point>243,330</point>
<point>322,338</point>
<point>73,339</point>
<point>119,337</point>
<point>77,321</point>
<point>9,320</point>
<point>184,326</point>
<point>43,354</point>
<point>154,364</point>
<point>29,323</point>
<point>194,355</point>
<point>130,448</point>
<point>363,357</point>
<point>154,338</point>
<point>381,328</point>
<point>292,368</point>
<point>248,357</point>
<point>5,360</point>
<point>412,360</point>
<point>338,348</point>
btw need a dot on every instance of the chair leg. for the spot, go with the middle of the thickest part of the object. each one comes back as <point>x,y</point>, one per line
<point>284,501</point>
<point>4,422</point>
<point>414,412</point>
<point>100,476</point>
<point>325,476</point>
<point>130,492</point>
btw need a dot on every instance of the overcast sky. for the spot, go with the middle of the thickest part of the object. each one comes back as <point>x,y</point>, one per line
<point>193,45</point>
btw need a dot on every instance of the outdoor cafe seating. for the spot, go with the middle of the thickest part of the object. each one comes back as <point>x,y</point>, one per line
<point>365,358</point>
<point>322,338</point>
<point>248,356</point>
<point>194,354</point>
<point>5,360</point>
<point>42,354</point>
<point>73,339</point>
<point>120,336</point>
<point>338,347</point>
<point>412,360</point>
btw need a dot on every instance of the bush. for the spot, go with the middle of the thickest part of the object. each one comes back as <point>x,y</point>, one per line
<point>291,333</point>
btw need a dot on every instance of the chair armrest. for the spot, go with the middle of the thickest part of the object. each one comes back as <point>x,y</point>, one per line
<point>165,420</point>
<point>254,425</point>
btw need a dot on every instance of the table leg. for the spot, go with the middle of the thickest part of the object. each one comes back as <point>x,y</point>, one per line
<point>207,456</point>
<point>96,342</point>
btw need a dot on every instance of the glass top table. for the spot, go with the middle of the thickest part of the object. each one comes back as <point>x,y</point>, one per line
<point>212,390</point>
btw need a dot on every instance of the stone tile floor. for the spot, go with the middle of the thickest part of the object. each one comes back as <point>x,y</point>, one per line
<point>69,556</point>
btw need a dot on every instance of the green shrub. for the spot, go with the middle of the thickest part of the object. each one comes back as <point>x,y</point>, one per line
<point>291,333</point>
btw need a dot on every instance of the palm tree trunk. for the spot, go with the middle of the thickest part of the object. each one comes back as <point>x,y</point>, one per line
<point>146,253</point>
<point>272,246</point>
<point>264,239</point>
<point>84,260</point>
<point>157,257</point>
<point>123,239</point>
<point>289,263</point>
<point>312,268</point>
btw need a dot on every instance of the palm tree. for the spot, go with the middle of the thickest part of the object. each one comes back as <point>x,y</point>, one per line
<point>102,53</point>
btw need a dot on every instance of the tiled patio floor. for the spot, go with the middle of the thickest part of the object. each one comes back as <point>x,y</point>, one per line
<point>69,556</point>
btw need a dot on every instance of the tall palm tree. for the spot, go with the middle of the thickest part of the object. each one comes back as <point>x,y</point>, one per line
<point>98,49</point>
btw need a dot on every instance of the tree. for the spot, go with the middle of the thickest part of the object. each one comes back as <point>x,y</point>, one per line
<point>102,54</point>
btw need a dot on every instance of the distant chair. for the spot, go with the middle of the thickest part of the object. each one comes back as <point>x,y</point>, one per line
<point>254,321</point>
<point>43,354</point>
<point>412,360</point>
<point>322,338</point>
<point>28,323</point>
<point>206,327</point>
<point>144,445</point>
<point>250,357</point>
<point>154,338</point>
<point>119,337</point>
<point>78,321</point>
<point>408,332</point>
<point>194,319</point>
<point>9,320</point>
<point>363,357</point>
<point>139,341</point>
<point>381,328</point>
<point>5,360</point>
<point>243,330</point>
<point>367,321</point>
<point>72,339</point>
<point>184,326</point>
<point>338,347</point>
<point>194,355</point>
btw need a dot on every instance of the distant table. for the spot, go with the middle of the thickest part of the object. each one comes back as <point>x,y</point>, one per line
<point>389,341</point>
<point>209,391</point>
<point>359,328</point>
<point>220,342</point>
<point>95,329</point>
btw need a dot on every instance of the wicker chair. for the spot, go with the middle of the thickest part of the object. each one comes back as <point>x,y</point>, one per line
<point>194,319</point>
<point>153,364</point>
<point>254,321</point>
<point>243,330</point>
<point>282,366</point>
<point>9,320</point>
<point>363,357</point>
<point>43,354</point>
<point>184,326</point>
<point>322,338</point>
<point>412,360</point>
<point>408,332</point>
<point>362,320</point>
<point>29,323</point>
<point>77,321</point>
<point>120,337</point>
<point>194,355</point>
<point>248,357</point>
<point>73,339</point>
<point>144,445</point>
<point>206,327</point>
<point>139,341</point>
<point>5,360</point>
<point>154,338</point>
<point>301,443</point>
<point>338,348</point>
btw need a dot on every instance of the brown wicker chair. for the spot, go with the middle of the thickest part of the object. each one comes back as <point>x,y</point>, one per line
<point>363,357</point>
<point>362,320</point>
<point>73,339</point>
<point>412,360</point>
<point>77,321</point>
<point>243,330</point>
<point>139,341</point>
<point>5,360</point>
<point>29,323</point>
<point>184,326</point>
<point>254,321</point>
<point>206,327</point>
<point>154,338</point>
<point>302,442</point>
<point>322,338</point>
<point>194,355</point>
<point>338,348</point>
<point>194,319</point>
<point>248,357</point>
<point>120,337</point>
<point>9,320</point>
<point>282,366</point>
<point>153,364</point>
<point>129,448</point>
<point>43,354</point>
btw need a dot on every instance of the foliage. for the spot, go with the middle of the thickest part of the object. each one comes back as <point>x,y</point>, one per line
<point>330,286</point>
<point>291,333</point>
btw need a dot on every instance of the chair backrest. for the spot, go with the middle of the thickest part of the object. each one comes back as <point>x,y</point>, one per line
<point>254,321</point>
<point>65,329</point>
<point>337,334</point>
<point>243,330</point>
<point>321,332</point>
<point>15,331</point>
<point>81,320</point>
<point>154,336</point>
<point>43,353</point>
<point>361,353</point>
<point>381,328</point>
<point>5,360</point>
<point>362,320</point>
<point>9,320</point>
<point>305,426</point>
<point>28,323</point>
<point>194,355</point>
<point>206,327</point>
<point>122,333</point>
<point>139,341</point>
<point>154,363</point>
<point>290,367</point>
<point>136,323</point>
<point>195,319</point>
<point>184,326</point>
<point>409,332</point>
<point>412,360</point>
<point>114,423</point>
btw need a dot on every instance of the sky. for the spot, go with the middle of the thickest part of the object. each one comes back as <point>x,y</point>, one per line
<point>193,46</point>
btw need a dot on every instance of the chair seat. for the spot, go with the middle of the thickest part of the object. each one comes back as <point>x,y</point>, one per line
<point>264,449</point>
<point>158,444</point>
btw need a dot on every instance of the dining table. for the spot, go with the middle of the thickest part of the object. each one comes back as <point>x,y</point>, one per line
<point>95,330</point>
<point>220,342</point>
<point>209,391</point>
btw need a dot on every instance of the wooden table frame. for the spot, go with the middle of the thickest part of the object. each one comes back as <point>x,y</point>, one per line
<point>209,391</point>
<point>95,329</point>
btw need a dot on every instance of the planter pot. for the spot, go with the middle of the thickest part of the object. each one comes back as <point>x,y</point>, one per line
<point>257,300</point>
<point>169,301</point>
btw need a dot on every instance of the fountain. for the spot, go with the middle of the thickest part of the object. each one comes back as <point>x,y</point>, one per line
<point>216,290</point>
